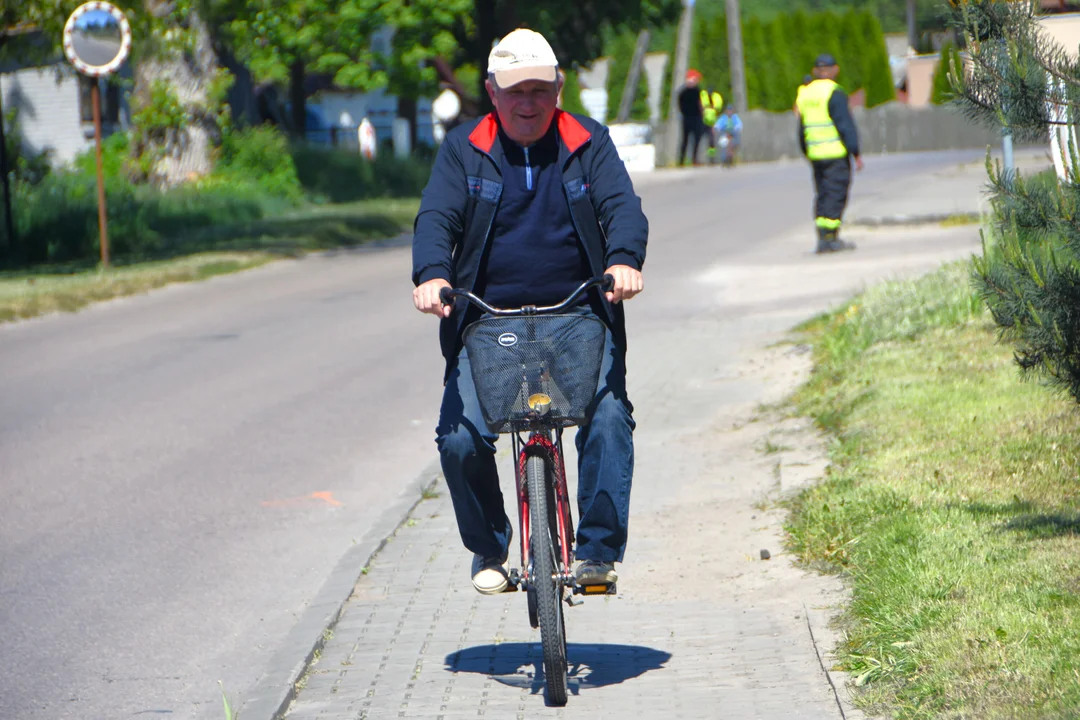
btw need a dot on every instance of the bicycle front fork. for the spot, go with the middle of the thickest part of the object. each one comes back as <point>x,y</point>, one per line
<point>550,448</point>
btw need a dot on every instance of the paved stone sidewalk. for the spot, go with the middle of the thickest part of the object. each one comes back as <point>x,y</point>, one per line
<point>702,627</point>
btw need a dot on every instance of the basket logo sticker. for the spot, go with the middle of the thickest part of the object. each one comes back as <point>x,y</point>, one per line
<point>508,339</point>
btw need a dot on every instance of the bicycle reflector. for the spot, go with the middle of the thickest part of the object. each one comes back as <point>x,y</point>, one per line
<point>539,403</point>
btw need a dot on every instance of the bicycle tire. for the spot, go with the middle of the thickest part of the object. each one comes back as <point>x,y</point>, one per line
<point>548,587</point>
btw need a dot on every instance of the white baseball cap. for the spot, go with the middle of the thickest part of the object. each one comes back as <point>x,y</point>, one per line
<point>522,55</point>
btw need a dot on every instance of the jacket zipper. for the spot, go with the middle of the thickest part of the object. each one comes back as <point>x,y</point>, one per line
<point>528,170</point>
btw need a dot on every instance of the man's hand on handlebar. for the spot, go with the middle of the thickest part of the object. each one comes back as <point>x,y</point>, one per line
<point>426,298</point>
<point>628,283</point>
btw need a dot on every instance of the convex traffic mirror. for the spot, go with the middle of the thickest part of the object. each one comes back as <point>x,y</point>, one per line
<point>97,39</point>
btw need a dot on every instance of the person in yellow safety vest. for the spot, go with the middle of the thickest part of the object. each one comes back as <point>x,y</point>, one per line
<point>830,141</point>
<point>711,104</point>
<point>807,79</point>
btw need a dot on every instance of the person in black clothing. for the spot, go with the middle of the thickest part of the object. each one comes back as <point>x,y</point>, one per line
<point>693,123</point>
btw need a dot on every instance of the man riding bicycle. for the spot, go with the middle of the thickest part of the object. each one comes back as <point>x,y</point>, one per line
<point>522,206</point>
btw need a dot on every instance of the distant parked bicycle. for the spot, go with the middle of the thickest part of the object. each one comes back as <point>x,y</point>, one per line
<point>536,370</point>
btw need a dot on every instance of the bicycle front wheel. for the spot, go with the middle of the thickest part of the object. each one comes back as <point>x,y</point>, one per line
<point>547,580</point>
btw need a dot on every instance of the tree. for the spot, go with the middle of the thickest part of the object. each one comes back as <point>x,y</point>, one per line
<point>877,74</point>
<point>853,49</point>
<point>571,94</point>
<point>709,54</point>
<point>754,52</point>
<point>780,67</point>
<point>178,95</point>
<point>803,50</point>
<point>825,28</point>
<point>1029,274</point>
<point>948,62</point>
<point>575,28</point>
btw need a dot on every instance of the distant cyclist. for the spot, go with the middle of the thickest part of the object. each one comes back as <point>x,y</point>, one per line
<point>522,206</point>
<point>729,125</point>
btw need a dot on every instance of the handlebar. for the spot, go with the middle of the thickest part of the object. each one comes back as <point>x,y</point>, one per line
<point>605,283</point>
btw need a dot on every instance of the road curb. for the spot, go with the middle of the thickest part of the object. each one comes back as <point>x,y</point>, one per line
<point>276,689</point>
<point>825,639</point>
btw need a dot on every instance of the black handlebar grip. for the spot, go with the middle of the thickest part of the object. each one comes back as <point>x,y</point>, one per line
<point>444,296</point>
<point>609,283</point>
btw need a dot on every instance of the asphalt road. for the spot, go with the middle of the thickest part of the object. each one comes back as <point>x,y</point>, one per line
<point>180,472</point>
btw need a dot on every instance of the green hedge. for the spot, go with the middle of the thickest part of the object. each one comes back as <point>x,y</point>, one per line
<point>57,220</point>
<point>781,49</point>
<point>257,175</point>
<point>329,175</point>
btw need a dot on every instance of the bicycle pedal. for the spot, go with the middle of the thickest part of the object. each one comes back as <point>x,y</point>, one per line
<point>513,581</point>
<point>599,589</point>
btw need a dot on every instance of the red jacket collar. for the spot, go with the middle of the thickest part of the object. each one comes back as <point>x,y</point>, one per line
<point>572,132</point>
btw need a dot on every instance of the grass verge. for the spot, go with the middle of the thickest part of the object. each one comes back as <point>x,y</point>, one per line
<point>953,505</point>
<point>204,254</point>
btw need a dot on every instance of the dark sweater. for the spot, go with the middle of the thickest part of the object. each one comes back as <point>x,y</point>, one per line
<point>690,104</point>
<point>535,256</point>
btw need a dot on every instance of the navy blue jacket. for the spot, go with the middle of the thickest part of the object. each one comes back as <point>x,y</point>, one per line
<point>457,211</point>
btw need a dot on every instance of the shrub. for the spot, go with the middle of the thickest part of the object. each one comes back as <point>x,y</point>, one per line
<point>115,154</point>
<point>259,155</point>
<point>57,220</point>
<point>331,175</point>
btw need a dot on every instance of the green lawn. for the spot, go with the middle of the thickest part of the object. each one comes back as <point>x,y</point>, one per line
<point>952,506</point>
<point>205,254</point>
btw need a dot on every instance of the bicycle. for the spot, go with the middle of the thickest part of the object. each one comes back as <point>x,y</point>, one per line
<point>536,370</point>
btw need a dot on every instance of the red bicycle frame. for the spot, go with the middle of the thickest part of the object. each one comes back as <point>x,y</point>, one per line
<point>540,443</point>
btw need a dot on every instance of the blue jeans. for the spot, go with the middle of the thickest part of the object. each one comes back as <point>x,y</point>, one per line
<point>605,448</point>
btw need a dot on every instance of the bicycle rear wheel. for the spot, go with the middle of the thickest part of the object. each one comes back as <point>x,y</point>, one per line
<point>547,581</point>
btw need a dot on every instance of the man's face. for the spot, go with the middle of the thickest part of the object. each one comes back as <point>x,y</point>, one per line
<point>525,110</point>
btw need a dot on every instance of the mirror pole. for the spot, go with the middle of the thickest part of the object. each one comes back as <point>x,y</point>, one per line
<point>95,99</point>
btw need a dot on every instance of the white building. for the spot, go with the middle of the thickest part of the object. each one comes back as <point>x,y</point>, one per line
<point>54,110</point>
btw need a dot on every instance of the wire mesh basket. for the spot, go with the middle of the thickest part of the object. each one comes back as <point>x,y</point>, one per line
<point>513,358</point>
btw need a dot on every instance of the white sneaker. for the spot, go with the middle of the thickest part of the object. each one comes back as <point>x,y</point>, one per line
<point>490,576</point>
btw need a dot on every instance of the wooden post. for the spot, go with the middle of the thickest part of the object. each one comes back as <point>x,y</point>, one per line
<point>632,77</point>
<point>95,99</point>
<point>912,30</point>
<point>678,77</point>
<point>736,61</point>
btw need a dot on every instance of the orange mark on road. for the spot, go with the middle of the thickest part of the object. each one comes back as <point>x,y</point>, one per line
<point>326,497</point>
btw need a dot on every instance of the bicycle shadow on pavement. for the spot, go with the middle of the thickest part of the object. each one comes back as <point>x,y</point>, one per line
<point>591,665</point>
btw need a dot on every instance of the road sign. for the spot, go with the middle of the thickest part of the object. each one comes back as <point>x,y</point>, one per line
<point>97,40</point>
